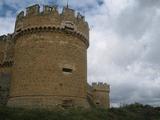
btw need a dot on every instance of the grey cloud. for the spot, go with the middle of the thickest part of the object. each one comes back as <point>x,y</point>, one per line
<point>148,3</point>
<point>7,25</point>
<point>152,41</point>
<point>128,59</point>
<point>134,21</point>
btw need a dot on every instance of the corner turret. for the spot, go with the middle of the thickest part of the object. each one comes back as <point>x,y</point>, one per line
<point>101,94</point>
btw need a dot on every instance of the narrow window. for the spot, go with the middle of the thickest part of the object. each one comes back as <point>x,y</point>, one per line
<point>97,103</point>
<point>68,70</point>
<point>61,84</point>
<point>67,103</point>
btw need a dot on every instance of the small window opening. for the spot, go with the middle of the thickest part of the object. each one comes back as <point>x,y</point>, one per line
<point>67,103</point>
<point>68,70</point>
<point>97,103</point>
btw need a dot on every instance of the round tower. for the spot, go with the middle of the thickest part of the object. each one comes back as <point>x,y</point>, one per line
<point>50,61</point>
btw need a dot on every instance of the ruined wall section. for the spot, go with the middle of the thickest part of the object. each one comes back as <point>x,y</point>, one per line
<point>6,62</point>
<point>51,19</point>
<point>6,50</point>
<point>101,94</point>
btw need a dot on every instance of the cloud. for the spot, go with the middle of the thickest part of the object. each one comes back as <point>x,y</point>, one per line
<point>124,44</point>
<point>6,25</point>
<point>124,50</point>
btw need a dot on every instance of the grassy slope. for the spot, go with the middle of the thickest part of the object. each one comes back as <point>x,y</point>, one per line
<point>130,112</point>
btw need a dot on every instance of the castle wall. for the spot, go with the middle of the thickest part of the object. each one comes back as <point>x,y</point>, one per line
<point>101,95</point>
<point>50,59</point>
<point>38,72</point>
<point>5,69</point>
<point>43,64</point>
<point>5,78</point>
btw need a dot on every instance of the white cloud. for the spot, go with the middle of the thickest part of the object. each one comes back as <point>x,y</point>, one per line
<point>128,56</point>
<point>6,25</point>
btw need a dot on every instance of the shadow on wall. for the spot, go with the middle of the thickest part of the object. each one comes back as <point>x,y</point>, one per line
<point>4,87</point>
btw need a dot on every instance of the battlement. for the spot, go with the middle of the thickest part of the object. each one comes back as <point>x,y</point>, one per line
<point>47,9</point>
<point>101,86</point>
<point>49,17</point>
<point>35,10</point>
<point>32,10</point>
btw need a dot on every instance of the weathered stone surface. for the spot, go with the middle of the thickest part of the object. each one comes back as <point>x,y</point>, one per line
<point>38,68</point>
<point>101,94</point>
<point>45,61</point>
<point>5,78</point>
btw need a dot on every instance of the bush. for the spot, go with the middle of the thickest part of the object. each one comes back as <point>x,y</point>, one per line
<point>128,112</point>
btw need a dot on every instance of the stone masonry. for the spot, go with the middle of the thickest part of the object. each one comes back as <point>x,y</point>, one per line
<point>43,64</point>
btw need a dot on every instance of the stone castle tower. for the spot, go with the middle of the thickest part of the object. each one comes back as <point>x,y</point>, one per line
<point>46,60</point>
<point>101,94</point>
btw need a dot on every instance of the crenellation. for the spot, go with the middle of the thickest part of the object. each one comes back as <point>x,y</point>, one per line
<point>49,9</point>
<point>80,17</point>
<point>99,84</point>
<point>101,87</point>
<point>33,10</point>
<point>68,14</point>
<point>51,17</point>
<point>20,15</point>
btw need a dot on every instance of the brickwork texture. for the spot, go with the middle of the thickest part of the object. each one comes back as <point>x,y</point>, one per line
<point>44,62</point>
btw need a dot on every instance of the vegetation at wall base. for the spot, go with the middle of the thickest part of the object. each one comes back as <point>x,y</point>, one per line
<point>129,112</point>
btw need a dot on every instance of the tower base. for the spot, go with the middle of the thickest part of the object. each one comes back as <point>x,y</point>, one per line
<point>47,102</point>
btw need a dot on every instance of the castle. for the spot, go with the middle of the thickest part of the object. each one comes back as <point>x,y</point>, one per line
<point>43,64</point>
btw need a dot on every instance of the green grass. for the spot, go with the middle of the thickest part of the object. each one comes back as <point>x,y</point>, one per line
<point>128,112</point>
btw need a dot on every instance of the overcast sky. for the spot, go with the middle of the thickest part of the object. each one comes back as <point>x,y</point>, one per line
<point>124,44</point>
